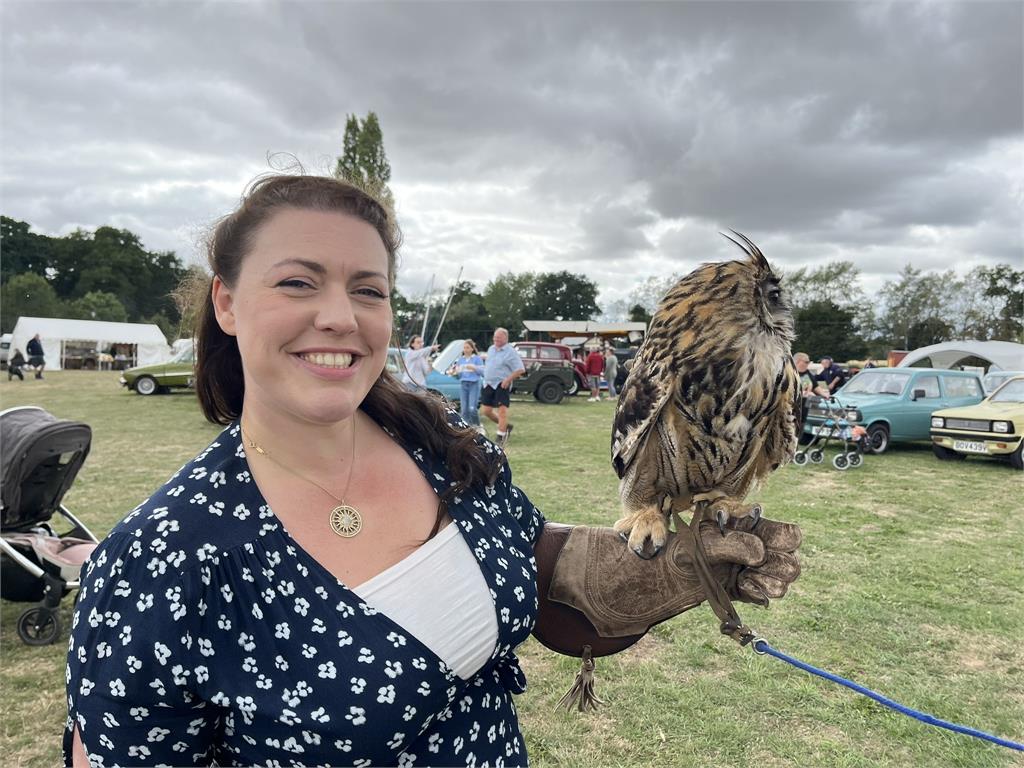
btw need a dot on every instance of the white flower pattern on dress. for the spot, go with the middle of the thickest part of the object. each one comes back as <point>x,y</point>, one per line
<point>204,634</point>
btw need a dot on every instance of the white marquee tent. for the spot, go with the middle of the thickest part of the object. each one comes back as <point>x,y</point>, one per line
<point>58,335</point>
<point>1001,355</point>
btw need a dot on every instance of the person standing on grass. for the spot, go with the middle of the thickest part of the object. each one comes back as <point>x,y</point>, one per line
<point>469,369</point>
<point>611,371</point>
<point>14,366</point>
<point>417,363</point>
<point>595,367</point>
<point>342,575</point>
<point>36,359</point>
<point>502,367</point>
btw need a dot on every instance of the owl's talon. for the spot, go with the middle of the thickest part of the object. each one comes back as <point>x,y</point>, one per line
<point>645,531</point>
<point>755,513</point>
<point>722,517</point>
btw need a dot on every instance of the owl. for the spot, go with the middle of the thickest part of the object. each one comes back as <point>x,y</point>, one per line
<point>712,401</point>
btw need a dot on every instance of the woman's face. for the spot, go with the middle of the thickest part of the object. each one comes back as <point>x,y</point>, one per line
<point>467,350</point>
<point>311,313</point>
<point>416,343</point>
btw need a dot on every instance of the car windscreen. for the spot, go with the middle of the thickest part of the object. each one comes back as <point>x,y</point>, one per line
<point>877,383</point>
<point>1011,392</point>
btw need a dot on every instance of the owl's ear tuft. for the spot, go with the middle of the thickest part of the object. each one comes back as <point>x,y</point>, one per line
<point>748,247</point>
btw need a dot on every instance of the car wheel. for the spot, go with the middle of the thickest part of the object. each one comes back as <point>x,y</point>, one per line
<point>1017,457</point>
<point>800,458</point>
<point>878,438</point>
<point>817,456</point>
<point>146,385</point>
<point>945,454</point>
<point>572,390</point>
<point>839,461</point>
<point>550,392</point>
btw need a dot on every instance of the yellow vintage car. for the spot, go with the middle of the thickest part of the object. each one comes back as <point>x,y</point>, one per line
<point>994,427</point>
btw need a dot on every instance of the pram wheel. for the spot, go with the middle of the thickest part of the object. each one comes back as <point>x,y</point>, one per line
<point>38,626</point>
<point>839,461</point>
<point>816,456</point>
<point>799,458</point>
<point>855,459</point>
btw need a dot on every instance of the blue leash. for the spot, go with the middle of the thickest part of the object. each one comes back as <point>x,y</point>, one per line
<point>761,646</point>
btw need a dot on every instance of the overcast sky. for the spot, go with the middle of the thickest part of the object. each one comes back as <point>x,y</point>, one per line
<point>608,139</point>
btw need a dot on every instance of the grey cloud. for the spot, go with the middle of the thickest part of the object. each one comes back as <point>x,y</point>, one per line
<point>538,136</point>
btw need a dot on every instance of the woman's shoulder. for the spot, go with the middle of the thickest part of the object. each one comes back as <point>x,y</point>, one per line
<point>211,504</point>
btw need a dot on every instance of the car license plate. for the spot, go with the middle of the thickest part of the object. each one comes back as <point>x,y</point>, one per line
<point>822,430</point>
<point>970,446</point>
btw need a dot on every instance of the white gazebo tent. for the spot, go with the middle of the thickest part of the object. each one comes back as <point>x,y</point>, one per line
<point>58,335</point>
<point>1001,355</point>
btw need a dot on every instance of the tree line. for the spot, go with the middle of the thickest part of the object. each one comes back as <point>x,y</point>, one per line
<point>836,316</point>
<point>109,275</point>
<point>101,275</point>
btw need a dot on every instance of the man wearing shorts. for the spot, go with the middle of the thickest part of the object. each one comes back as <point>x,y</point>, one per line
<point>35,355</point>
<point>502,366</point>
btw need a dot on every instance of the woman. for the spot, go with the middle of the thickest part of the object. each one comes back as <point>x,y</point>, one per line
<point>342,575</point>
<point>417,364</point>
<point>468,368</point>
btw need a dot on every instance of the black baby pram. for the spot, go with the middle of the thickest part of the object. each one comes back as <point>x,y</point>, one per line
<point>40,457</point>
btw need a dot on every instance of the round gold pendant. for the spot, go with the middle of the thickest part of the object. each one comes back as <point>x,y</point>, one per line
<point>346,521</point>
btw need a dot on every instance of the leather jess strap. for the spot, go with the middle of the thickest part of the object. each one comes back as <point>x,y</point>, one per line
<point>732,625</point>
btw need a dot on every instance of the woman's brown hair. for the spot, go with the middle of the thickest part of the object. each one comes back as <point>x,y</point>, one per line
<point>420,421</point>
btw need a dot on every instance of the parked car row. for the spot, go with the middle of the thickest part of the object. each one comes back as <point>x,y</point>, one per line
<point>948,407</point>
<point>892,404</point>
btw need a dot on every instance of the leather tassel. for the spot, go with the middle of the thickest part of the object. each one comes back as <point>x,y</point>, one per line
<point>582,695</point>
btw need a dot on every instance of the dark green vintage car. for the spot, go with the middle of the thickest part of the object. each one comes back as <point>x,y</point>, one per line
<point>179,371</point>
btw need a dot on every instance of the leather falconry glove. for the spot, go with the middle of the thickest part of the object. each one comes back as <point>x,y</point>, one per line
<point>598,598</point>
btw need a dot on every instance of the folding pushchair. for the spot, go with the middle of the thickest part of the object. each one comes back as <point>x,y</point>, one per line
<point>39,460</point>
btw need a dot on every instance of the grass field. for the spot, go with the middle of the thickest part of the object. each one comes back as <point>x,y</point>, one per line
<point>912,585</point>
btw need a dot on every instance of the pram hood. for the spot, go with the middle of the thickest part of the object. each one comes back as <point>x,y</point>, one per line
<point>40,459</point>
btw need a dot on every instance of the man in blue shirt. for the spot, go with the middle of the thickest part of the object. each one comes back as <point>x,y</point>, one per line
<point>502,366</point>
<point>831,375</point>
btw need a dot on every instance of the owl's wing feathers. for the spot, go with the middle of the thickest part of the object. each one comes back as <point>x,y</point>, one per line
<point>646,392</point>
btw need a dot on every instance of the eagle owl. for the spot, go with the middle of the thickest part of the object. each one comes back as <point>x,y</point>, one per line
<point>712,401</point>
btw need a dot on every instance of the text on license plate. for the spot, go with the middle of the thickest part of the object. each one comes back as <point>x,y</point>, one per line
<point>822,430</point>
<point>971,446</point>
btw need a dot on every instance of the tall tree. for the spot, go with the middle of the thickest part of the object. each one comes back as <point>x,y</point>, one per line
<point>914,298</point>
<point>837,282</point>
<point>563,296</point>
<point>23,250</point>
<point>27,294</point>
<point>639,314</point>
<point>507,297</point>
<point>823,328</point>
<point>98,305</point>
<point>363,160</point>
<point>467,316</point>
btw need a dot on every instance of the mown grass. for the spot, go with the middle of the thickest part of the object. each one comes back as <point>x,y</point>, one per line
<point>912,581</point>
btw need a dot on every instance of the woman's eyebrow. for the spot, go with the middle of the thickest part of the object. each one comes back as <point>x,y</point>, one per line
<point>313,266</point>
<point>320,269</point>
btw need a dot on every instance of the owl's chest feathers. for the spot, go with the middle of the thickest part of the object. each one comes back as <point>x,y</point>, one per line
<point>729,401</point>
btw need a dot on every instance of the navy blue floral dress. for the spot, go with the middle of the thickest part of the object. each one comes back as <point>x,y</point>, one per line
<point>204,634</point>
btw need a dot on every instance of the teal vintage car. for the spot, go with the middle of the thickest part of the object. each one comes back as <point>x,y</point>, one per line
<point>895,404</point>
<point>179,371</point>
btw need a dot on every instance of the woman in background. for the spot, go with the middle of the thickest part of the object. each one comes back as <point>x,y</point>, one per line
<point>468,368</point>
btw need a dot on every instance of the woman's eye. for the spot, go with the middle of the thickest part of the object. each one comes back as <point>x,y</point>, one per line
<point>294,283</point>
<point>371,292</point>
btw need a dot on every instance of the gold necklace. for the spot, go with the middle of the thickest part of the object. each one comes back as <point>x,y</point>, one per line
<point>345,519</point>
